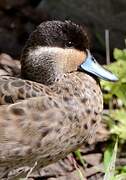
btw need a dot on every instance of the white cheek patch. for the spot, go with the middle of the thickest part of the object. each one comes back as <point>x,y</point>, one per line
<point>46,50</point>
<point>50,50</point>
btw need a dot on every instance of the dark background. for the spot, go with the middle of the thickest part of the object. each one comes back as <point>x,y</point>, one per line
<point>18,18</point>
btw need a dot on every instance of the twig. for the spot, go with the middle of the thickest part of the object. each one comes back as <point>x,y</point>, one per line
<point>78,170</point>
<point>107,45</point>
<point>30,171</point>
<point>125,42</point>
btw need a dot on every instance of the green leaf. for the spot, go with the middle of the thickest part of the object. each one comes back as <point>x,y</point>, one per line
<point>119,88</point>
<point>120,176</point>
<point>108,155</point>
<point>109,175</point>
<point>79,157</point>
<point>119,54</point>
<point>119,127</point>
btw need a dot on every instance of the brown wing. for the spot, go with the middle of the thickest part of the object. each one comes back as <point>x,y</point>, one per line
<point>14,89</point>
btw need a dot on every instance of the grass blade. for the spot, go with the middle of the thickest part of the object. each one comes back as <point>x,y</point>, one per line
<point>111,167</point>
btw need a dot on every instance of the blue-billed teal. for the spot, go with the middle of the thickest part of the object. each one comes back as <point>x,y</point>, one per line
<point>57,103</point>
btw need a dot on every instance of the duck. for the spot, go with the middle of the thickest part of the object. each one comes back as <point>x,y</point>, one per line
<point>56,104</point>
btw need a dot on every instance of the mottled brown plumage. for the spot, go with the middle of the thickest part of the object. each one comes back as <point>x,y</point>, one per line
<point>47,128</point>
<point>45,120</point>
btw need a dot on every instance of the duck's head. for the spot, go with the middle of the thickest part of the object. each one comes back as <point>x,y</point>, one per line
<point>56,48</point>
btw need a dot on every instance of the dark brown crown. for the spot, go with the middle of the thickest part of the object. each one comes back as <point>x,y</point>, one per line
<point>59,34</point>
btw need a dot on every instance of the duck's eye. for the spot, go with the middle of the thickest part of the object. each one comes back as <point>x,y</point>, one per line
<point>69,44</point>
